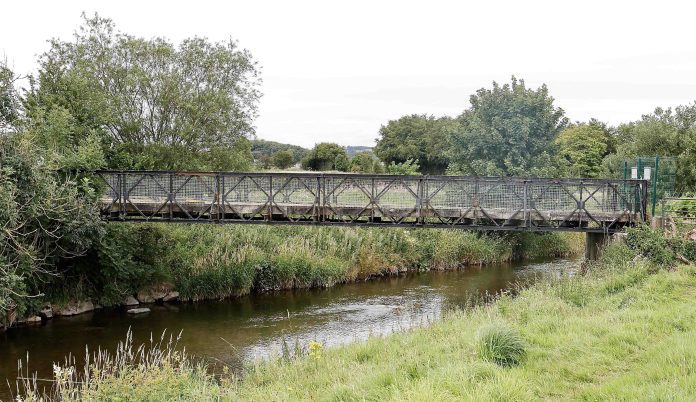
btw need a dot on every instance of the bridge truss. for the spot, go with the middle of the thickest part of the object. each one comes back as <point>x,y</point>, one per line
<point>484,203</point>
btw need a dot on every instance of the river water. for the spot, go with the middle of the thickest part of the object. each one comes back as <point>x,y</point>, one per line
<point>241,330</point>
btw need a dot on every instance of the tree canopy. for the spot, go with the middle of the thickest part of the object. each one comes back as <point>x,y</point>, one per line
<point>139,93</point>
<point>508,130</point>
<point>9,99</point>
<point>416,137</point>
<point>282,159</point>
<point>581,149</point>
<point>326,156</point>
<point>266,149</point>
<point>665,132</point>
<point>366,162</point>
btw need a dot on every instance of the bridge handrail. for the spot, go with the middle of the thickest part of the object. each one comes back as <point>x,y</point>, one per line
<point>418,199</point>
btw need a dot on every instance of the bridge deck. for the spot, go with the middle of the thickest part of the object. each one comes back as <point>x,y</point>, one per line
<point>302,198</point>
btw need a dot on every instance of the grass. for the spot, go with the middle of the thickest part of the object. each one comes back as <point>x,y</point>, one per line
<point>501,344</point>
<point>623,330</point>
<point>211,262</point>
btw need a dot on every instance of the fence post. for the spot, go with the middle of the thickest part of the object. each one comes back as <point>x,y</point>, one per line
<point>525,212</point>
<point>419,202</point>
<point>317,201</point>
<point>270,197</point>
<point>223,196</point>
<point>654,185</point>
<point>171,196</point>
<point>119,176</point>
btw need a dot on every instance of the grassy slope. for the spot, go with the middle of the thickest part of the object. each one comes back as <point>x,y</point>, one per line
<point>625,330</point>
<point>622,333</point>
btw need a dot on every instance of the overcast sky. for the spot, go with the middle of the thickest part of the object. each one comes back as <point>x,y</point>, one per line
<point>336,71</point>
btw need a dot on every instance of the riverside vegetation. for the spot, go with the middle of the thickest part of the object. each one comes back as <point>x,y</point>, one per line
<point>622,328</point>
<point>212,262</point>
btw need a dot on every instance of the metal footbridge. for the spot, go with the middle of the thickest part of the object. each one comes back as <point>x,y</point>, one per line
<point>483,203</point>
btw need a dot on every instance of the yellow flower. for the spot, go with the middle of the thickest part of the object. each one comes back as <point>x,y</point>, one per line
<point>315,350</point>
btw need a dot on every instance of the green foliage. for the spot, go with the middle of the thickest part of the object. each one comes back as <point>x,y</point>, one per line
<point>63,148</point>
<point>144,95</point>
<point>366,162</point>
<point>543,245</point>
<point>263,150</point>
<point>205,262</point>
<point>326,156</point>
<point>10,103</point>
<point>665,132</point>
<point>45,217</point>
<point>508,130</point>
<point>416,137</point>
<point>128,261</point>
<point>501,344</point>
<point>282,159</point>
<point>235,157</point>
<point>651,244</point>
<point>408,168</point>
<point>581,149</point>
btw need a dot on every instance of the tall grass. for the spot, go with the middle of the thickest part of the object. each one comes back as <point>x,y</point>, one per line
<point>207,262</point>
<point>157,371</point>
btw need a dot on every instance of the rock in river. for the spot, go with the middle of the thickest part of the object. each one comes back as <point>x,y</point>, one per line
<point>130,301</point>
<point>140,310</point>
<point>171,296</point>
<point>76,307</point>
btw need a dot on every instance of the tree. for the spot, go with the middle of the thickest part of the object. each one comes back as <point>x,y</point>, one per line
<point>326,156</point>
<point>508,130</point>
<point>665,132</point>
<point>414,137</point>
<point>581,149</point>
<point>10,103</point>
<point>141,92</point>
<point>263,148</point>
<point>366,162</point>
<point>282,159</point>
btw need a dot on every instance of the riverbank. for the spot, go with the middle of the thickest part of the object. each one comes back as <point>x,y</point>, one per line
<point>199,262</point>
<point>624,329</point>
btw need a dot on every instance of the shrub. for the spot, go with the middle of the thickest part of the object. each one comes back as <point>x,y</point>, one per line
<point>501,344</point>
<point>651,244</point>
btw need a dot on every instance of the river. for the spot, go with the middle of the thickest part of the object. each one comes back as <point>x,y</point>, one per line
<point>241,330</point>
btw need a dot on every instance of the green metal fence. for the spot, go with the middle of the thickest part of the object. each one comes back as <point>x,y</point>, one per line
<point>659,171</point>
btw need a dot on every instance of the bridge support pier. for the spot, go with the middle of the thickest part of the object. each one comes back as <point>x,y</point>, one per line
<point>594,245</point>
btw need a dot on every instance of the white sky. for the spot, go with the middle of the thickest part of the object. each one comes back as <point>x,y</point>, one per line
<point>336,71</point>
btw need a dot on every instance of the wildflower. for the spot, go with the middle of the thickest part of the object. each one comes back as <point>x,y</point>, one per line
<point>315,350</point>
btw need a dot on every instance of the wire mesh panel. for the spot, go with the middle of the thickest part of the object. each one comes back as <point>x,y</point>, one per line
<point>111,196</point>
<point>396,199</point>
<point>348,198</point>
<point>296,197</point>
<point>678,210</point>
<point>449,200</point>
<point>487,202</point>
<point>144,195</point>
<point>246,197</point>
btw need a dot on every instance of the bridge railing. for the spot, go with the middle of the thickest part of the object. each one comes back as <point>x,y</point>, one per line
<point>499,203</point>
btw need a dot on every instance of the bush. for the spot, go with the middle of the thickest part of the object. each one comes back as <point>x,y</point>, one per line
<point>651,244</point>
<point>500,344</point>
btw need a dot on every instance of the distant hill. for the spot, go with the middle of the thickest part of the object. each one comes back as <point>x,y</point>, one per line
<point>261,149</point>
<point>353,150</point>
